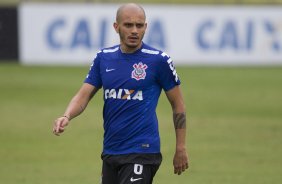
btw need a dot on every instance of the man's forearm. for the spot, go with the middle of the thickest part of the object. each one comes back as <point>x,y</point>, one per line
<point>75,107</point>
<point>179,120</point>
<point>180,160</point>
<point>80,100</point>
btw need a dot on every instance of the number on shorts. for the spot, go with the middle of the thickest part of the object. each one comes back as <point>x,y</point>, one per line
<point>138,169</point>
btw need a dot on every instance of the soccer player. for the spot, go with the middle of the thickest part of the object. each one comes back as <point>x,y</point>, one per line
<point>132,75</point>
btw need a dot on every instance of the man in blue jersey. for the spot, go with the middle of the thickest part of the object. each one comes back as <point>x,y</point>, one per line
<point>132,75</point>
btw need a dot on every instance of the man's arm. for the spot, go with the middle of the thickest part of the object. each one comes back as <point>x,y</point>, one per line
<point>75,107</point>
<point>180,161</point>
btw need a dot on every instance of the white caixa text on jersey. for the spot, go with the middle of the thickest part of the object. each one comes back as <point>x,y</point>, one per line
<point>123,94</point>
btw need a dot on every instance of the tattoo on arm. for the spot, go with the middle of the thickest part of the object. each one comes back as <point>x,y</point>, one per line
<point>179,120</point>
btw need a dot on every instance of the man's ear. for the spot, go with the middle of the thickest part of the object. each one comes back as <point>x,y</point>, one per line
<point>116,27</point>
<point>145,25</point>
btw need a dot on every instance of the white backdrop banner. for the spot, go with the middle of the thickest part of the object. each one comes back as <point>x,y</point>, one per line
<point>193,35</point>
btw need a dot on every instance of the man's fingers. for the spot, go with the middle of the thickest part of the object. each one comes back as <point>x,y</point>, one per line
<point>184,168</point>
<point>179,171</point>
<point>58,131</point>
<point>59,126</point>
<point>176,171</point>
<point>55,130</point>
<point>180,168</point>
<point>57,134</point>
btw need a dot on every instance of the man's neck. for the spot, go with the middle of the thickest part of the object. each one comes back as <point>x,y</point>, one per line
<point>129,50</point>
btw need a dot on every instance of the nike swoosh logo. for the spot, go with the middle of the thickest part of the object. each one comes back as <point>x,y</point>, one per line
<point>136,179</point>
<point>109,70</point>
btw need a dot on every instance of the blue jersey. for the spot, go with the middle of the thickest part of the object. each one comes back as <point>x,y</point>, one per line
<point>132,84</point>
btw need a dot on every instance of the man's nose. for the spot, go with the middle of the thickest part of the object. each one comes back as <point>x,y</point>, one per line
<point>134,29</point>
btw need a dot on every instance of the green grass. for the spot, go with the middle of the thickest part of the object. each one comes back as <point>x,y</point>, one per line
<point>234,135</point>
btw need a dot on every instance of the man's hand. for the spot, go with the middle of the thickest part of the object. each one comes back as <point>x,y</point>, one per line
<point>180,161</point>
<point>59,125</point>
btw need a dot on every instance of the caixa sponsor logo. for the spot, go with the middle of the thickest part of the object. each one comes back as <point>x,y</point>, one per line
<point>123,94</point>
<point>81,34</point>
<point>239,35</point>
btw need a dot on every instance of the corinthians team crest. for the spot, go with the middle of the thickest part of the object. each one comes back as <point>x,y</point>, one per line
<point>139,71</point>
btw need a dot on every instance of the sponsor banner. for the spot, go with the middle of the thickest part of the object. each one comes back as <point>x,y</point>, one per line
<point>8,34</point>
<point>195,35</point>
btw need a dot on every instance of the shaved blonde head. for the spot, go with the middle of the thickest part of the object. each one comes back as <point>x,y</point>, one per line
<point>131,26</point>
<point>130,7</point>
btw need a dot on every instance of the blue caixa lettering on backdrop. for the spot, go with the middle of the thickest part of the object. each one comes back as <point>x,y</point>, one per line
<point>82,36</point>
<point>229,37</point>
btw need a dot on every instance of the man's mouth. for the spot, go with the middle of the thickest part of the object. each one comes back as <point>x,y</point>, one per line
<point>133,38</point>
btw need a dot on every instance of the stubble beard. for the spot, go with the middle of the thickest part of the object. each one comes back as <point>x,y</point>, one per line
<point>123,40</point>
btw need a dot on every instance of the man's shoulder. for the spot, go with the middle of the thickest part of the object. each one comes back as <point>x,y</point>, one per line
<point>108,50</point>
<point>153,52</point>
<point>146,49</point>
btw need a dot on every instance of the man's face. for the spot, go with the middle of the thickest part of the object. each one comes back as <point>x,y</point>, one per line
<point>131,27</point>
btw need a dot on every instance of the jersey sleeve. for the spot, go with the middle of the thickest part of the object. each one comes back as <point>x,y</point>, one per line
<point>93,77</point>
<point>167,75</point>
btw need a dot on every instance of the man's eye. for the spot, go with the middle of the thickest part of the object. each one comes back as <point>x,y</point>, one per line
<point>139,25</point>
<point>127,25</point>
